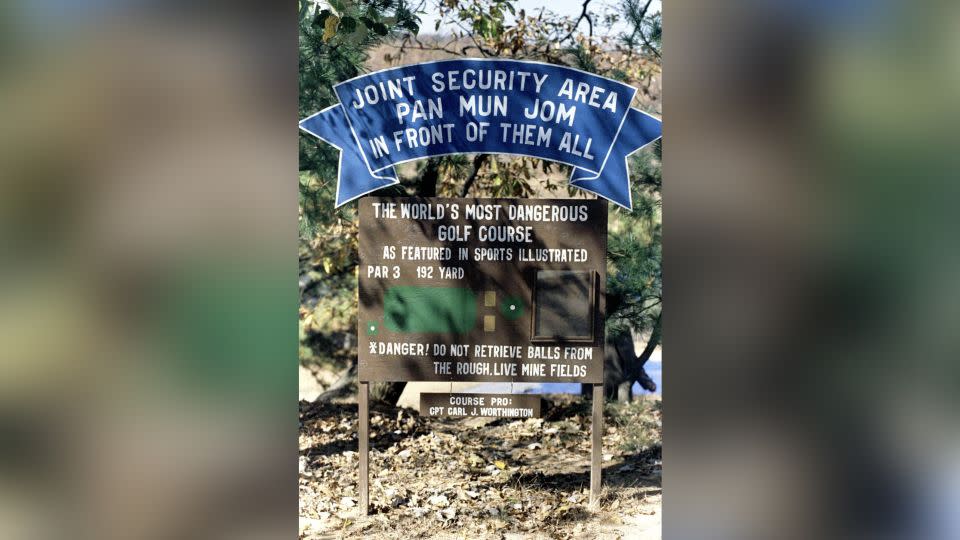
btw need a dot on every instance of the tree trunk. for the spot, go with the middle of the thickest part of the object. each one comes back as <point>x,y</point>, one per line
<point>388,393</point>
<point>617,360</point>
<point>637,372</point>
<point>346,384</point>
<point>427,185</point>
<point>623,366</point>
<point>478,161</point>
<point>651,344</point>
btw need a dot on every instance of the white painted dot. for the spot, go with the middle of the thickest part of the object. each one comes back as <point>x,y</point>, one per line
<point>373,327</point>
<point>512,307</point>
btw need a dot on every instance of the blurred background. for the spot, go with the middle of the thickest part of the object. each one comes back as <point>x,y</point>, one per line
<point>811,258</point>
<point>148,261</point>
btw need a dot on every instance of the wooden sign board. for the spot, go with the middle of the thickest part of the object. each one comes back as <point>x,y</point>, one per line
<point>482,289</point>
<point>486,405</point>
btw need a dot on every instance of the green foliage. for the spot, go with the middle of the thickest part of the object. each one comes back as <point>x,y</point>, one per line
<point>333,47</point>
<point>334,39</point>
<point>645,28</point>
<point>484,18</point>
<point>634,273</point>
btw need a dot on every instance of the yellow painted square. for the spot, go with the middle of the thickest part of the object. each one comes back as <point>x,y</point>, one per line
<point>490,299</point>
<point>489,323</point>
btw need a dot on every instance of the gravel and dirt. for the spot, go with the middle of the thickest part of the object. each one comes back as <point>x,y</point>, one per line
<point>480,477</point>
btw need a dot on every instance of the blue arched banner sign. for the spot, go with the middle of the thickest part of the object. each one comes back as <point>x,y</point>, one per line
<point>484,106</point>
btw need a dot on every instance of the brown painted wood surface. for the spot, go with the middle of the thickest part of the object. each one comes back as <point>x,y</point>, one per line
<point>503,280</point>
<point>596,436</point>
<point>363,402</point>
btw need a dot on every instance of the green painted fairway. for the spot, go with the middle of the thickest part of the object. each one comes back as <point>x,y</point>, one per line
<point>433,310</point>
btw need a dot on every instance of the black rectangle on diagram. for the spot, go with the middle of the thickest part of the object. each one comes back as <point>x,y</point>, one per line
<point>564,305</point>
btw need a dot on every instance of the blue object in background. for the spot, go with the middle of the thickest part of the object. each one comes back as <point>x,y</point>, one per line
<point>653,369</point>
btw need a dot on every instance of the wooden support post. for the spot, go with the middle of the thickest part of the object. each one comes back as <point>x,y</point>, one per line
<point>363,402</point>
<point>596,444</point>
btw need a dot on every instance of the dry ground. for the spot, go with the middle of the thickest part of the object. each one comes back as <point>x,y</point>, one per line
<point>481,478</point>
